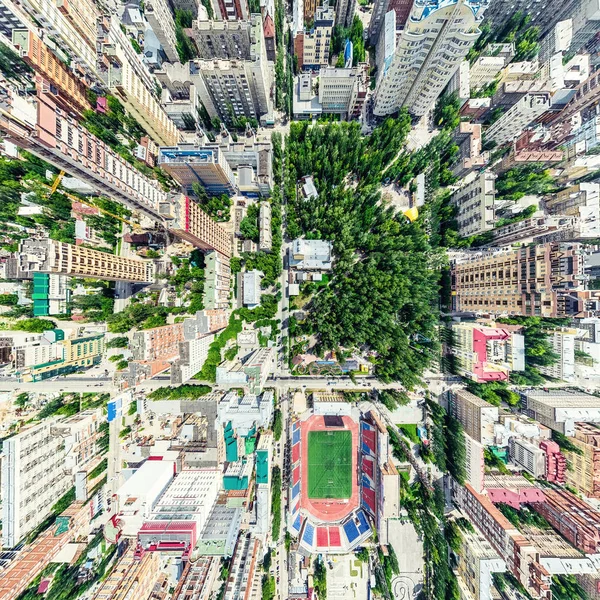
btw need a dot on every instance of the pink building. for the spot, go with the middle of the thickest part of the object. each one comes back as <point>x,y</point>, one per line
<point>488,353</point>
<point>556,462</point>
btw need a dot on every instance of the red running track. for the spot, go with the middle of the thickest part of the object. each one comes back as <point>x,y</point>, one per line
<point>328,509</point>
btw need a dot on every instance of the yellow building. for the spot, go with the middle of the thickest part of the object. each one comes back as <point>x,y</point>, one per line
<point>584,474</point>
<point>77,353</point>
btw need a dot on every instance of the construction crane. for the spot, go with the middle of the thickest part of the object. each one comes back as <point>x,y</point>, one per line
<point>56,183</point>
<point>54,186</point>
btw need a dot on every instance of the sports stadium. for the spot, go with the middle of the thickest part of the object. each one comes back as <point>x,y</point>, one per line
<point>336,481</point>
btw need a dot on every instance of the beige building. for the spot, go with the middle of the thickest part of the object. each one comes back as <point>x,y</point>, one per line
<point>584,474</point>
<point>542,280</point>
<point>476,416</point>
<point>518,117</point>
<point>192,224</point>
<point>50,256</point>
<point>468,139</point>
<point>313,47</point>
<point>563,343</point>
<point>127,78</point>
<point>160,18</point>
<point>475,204</point>
<point>477,562</point>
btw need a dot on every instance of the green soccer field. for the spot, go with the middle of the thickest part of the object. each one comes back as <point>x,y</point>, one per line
<point>329,464</point>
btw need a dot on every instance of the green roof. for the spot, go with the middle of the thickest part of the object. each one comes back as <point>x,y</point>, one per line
<point>231,450</point>
<point>262,466</point>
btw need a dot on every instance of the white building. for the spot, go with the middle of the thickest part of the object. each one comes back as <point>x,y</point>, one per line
<point>251,288</point>
<point>474,463</point>
<point>342,90</point>
<point>192,354</point>
<point>38,469</point>
<point>264,227</point>
<point>475,204</point>
<point>436,38</point>
<point>563,343</point>
<point>311,254</point>
<point>485,70</point>
<point>477,562</point>
<point>246,412</point>
<point>560,409</point>
<point>527,455</point>
<point>161,20</point>
<point>190,496</point>
<point>508,127</point>
<point>137,497</point>
<point>264,451</point>
<point>582,201</point>
<point>386,44</point>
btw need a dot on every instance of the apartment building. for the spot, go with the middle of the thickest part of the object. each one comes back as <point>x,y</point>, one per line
<point>563,343</point>
<point>217,287</point>
<point>192,224</point>
<point>524,156</point>
<point>475,204</point>
<point>251,288</point>
<point>488,66</point>
<point>556,462</point>
<point>50,256</point>
<point>583,138</point>
<point>158,343</point>
<point>244,579</point>
<point>485,353</point>
<point>477,562</point>
<point>41,127</point>
<point>519,116</point>
<point>584,474</point>
<point>467,137</point>
<point>72,26</point>
<point>560,409</point>
<point>129,81</point>
<point>401,10</point>
<point>190,163</point>
<point>192,355</point>
<point>520,556</point>
<point>230,10</point>
<point>264,452</point>
<point>577,521</point>
<point>225,40</point>
<point>474,463</point>
<point>70,91</point>
<point>542,279</point>
<point>475,415</point>
<point>198,579</point>
<point>581,201</point>
<point>264,227</point>
<point>541,228</point>
<point>63,356</point>
<point>528,456</point>
<point>344,12</point>
<point>437,37</point>
<point>312,47</point>
<point>160,18</point>
<point>38,467</point>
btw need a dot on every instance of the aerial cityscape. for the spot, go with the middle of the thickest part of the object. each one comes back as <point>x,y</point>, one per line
<point>300,299</point>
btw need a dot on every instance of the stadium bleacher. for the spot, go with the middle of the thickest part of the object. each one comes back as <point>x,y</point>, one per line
<point>351,531</point>
<point>322,537</point>
<point>334,537</point>
<point>363,526</point>
<point>309,534</point>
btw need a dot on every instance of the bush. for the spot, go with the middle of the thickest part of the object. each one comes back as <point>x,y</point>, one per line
<point>181,392</point>
<point>34,325</point>
<point>118,342</point>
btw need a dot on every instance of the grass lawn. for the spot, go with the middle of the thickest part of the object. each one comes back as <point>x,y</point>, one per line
<point>330,464</point>
<point>410,431</point>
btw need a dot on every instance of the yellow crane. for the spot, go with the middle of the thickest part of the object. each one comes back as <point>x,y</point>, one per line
<point>54,188</point>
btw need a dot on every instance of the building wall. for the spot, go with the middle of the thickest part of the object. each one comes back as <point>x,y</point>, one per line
<point>34,479</point>
<point>476,416</point>
<point>434,42</point>
<point>518,117</point>
<point>563,343</point>
<point>475,203</point>
<point>527,455</point>
<point>223,39</point>
<point>161,20</point>
<point>50,256</point>
<point>584,474</point>
<point>538,280</point>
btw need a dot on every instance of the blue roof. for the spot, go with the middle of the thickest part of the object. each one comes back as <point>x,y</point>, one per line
<point>296,436</point>
<point>297,523</point>
<point>309,534</point>
<point>296,490</point>
<point>364,525</point>
<point>351,531</point>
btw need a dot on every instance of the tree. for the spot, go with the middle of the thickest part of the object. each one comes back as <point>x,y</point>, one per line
<point>8,299</point>
<point>446,113</point>
<point>35,325</point>
<point>22,400</point>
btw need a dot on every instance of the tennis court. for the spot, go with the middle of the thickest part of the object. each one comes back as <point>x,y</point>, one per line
<point>330,464</point>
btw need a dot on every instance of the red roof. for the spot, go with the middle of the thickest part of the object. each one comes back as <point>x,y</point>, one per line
<point>269,27</point>
<point>167,526</point>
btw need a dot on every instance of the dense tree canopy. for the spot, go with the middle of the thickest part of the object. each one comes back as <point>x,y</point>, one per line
<point>379,254</point>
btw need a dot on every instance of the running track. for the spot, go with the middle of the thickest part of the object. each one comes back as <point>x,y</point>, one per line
<point>327,510</point>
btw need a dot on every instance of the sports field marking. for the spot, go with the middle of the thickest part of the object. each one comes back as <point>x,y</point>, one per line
<point>330,464</point>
